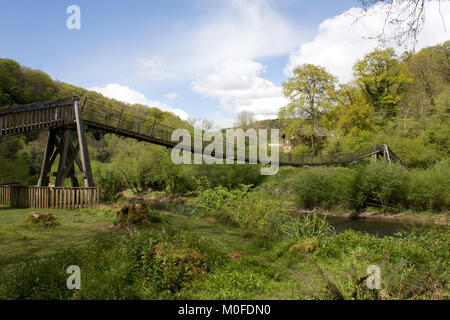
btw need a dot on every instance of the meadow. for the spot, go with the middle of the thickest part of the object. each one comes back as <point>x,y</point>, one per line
<point>215,253</point>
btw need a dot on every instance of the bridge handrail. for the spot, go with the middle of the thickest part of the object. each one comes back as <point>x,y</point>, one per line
<point>148,129</point>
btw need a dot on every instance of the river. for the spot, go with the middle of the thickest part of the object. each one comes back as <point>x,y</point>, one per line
<point>380,228</point>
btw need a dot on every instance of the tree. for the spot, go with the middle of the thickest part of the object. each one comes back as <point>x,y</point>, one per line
<point>406,16</point>
<point>309,92</point>
<point>156,115</point>
<point>355,115</point>
<point>382,79</point>
<point>244,120</point>
<point>430,69</point>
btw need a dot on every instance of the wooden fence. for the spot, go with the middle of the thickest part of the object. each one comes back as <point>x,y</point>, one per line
<point>49,197</point>
<point>5,195</point>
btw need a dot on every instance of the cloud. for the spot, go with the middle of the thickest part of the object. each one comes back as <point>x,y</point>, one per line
<point>232,30</point>
<point>155,68</point>
<point>125,94</point>
<point>170,96</point>
<point>218,55</point>
<point>343,39</point>
<point>238,86</point>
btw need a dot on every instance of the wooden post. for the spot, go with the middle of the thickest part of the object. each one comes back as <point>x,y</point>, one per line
<point>118,122</point>
<point>63,159</point>
<point>88,179</point>
<point>46,162</point>
<point>386,152</point>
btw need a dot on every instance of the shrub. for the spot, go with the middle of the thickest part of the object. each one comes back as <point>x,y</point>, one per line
<point>111,183</point>
<point>174,266</point>
<point>430,189</point>
<point>308,226</point>
<point>136,214</point>
<point>324,187</point>
<point>248,210</point>
<point>232,177</point>
<point>305,246</point>
<point>381,183</point>
<point>45,218</point>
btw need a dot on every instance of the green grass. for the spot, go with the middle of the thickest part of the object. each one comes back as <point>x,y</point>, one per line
<point>19,239</point>
<point>121,264</point>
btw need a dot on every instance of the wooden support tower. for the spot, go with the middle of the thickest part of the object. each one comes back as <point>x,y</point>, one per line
<point>60,143</point>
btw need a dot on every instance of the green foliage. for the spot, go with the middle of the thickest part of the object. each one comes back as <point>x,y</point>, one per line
<point>45,218</point>
<point>231,178</point>
<point>381,183</point>
<point>136,265</point>
<point>324,187</point>
<point>40,278</point>
<point>109,180</point>
<point>372,184</point>
<point>382,79</point>
<point>411,263</point>
<point>248,210</point>
<point>430,189</point>
<point>20,85</point>
<point>241,279</point>
<point>308,226</point>
<point>175,264</point>
<point>355,116</point>
<point>309,93</point>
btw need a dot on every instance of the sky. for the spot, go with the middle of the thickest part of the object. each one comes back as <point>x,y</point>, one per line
<point>198,58</point>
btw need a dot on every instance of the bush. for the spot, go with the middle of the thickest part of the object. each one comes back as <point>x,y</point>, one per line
<point>45,218</point>
<point>430,189</point>
<point>248,210</point>
<point>136,214</point>
<point>324,187</point>
<point>308,226</point>
<point>381,183</point>
<point>231,177</point>
<point>110,181</point>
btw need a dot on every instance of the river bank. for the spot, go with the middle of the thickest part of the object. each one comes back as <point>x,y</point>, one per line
<point>402,217</point>
<point>161,200</point>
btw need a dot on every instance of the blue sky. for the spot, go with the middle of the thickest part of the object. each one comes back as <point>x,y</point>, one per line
<point>197,58</point>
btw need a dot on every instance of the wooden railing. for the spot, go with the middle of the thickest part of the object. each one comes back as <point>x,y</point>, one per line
<point>36,116</point>
<point>49,197</point>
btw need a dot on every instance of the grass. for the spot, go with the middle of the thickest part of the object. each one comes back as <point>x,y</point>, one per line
<point>19,239</point>
<point>240,263</point>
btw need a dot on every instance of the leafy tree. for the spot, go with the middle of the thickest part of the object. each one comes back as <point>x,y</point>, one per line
<point>355,115</point>
<point>382,79</point>
<point>309,92</point>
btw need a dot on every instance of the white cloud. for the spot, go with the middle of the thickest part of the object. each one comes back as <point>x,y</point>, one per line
<point>238,86</point>
<point>155,68</point>
<point>236,30</point>
<point>219,52</point>
<point>170,96</point>
<point>125,94</point>
<point>343,39</point>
